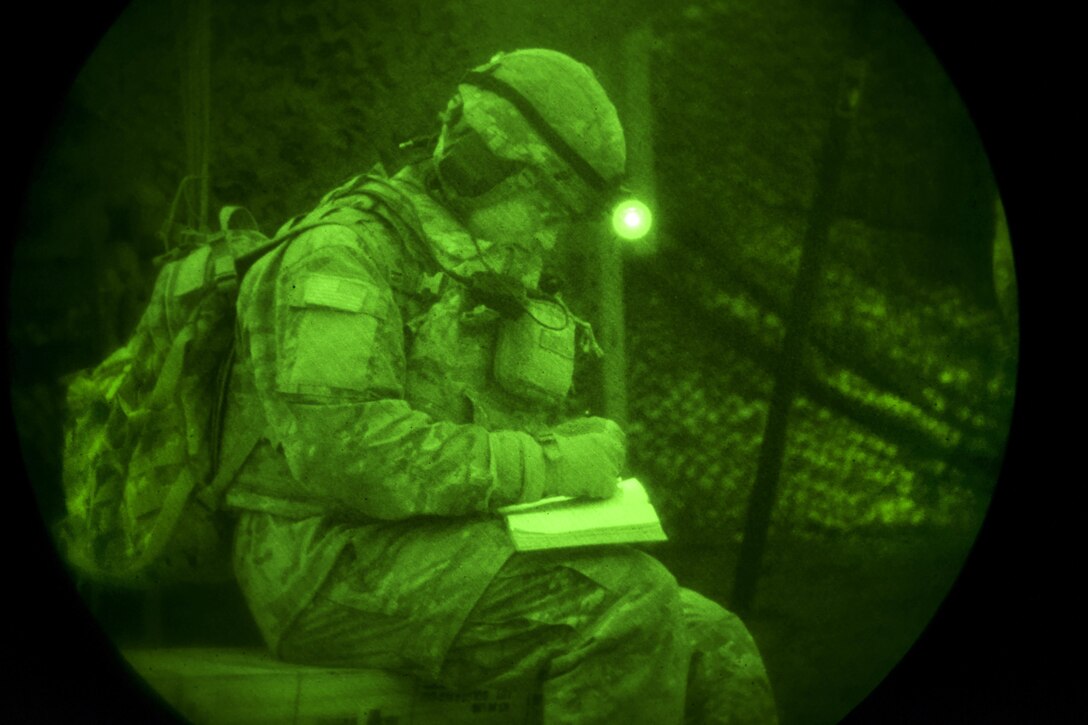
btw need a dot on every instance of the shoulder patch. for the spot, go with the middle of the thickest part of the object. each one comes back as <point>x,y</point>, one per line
<point>330,334</point>
<point>340,293</point>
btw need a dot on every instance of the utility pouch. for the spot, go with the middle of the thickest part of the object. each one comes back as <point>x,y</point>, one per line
<point>534,357</point>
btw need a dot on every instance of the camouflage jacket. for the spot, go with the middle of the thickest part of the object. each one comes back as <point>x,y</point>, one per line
<point>366,379</point>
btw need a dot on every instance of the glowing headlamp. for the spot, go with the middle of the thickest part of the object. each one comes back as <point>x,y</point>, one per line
<point>631,219</point>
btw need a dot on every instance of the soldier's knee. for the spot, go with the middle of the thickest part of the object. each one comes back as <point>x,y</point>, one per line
<point>646,592</point>
<point>629,571</point>
<point>710,624</point>
<point>655,579</point>
<point>728,681</point>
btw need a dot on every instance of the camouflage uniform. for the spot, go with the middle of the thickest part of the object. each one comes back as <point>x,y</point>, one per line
<point>364,537</point>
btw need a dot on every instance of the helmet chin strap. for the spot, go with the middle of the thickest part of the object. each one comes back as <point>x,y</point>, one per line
<point>462,209</point>
<point>438,189</point>
<point>513,258</point>
<point>497,287</point>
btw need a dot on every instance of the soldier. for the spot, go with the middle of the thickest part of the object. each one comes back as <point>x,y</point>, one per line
<point>385,427</point>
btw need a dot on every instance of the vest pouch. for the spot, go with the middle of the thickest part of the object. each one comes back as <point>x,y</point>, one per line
<point>534,357</point>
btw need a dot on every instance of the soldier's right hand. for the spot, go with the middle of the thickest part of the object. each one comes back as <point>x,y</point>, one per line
<point>584,458</point>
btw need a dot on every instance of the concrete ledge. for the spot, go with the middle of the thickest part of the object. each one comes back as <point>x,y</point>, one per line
<point>213,686</point>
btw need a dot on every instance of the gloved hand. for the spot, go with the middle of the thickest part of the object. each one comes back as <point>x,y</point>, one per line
<point>583,457</point>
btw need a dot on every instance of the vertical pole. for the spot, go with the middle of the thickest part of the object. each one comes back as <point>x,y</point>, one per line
<point>195,53</point>
<point>638,123</point>
<point>803,299</point>
<point>610,304</point>
<point>634,109</point>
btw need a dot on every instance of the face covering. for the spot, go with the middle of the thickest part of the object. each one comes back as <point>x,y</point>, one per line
<point>513,226</point>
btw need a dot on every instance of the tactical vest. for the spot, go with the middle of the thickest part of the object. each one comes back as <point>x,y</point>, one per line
<point>467,362</point>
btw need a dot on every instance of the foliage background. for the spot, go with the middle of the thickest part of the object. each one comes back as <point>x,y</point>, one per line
<point>895,442</point>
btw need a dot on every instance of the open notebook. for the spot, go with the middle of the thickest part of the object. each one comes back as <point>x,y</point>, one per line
<point>561,521</point>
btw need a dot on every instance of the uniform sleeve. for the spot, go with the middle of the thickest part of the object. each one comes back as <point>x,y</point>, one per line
<point>329,366</point>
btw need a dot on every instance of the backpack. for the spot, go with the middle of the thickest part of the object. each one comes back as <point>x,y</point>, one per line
<point>141,432</point>
<point>142,473</point>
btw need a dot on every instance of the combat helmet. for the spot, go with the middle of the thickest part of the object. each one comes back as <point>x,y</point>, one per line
<point>537,111</point>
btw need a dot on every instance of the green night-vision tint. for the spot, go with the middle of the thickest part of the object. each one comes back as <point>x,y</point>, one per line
<point>631,219</point>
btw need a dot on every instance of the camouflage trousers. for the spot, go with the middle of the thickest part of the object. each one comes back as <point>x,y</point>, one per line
<point>608,631</point>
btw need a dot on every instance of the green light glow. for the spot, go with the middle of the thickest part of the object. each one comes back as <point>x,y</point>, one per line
<point>631,219</point>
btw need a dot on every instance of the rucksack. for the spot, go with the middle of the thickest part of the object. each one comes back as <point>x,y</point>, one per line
<point>143,474</point>
<point>141,438</point>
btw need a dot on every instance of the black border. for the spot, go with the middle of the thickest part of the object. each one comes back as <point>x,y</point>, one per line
<point>999,648</point>
<point>61,666</point>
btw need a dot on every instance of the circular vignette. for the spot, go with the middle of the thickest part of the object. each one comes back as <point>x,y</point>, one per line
<point>61,79</point>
